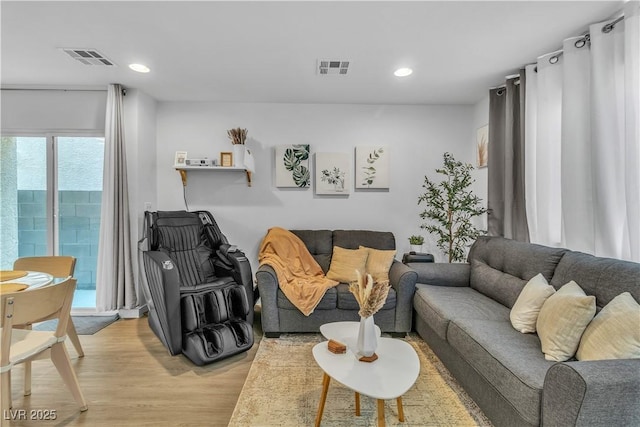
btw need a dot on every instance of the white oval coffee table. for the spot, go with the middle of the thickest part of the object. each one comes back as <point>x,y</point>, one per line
<point>388,377</point>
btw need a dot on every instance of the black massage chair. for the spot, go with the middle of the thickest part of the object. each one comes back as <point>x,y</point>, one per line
<point>199,287</point>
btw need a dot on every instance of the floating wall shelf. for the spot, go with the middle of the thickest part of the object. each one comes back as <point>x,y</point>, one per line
<point>183,171</point>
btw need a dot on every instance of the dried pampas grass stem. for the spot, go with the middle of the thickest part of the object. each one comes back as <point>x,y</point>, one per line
<point>369,294</point>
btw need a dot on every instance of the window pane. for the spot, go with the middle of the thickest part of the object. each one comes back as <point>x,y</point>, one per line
<point>23,189</point>
<point>80,161</point>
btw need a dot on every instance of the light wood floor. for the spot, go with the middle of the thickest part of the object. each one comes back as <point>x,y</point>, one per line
<point>129,379</point>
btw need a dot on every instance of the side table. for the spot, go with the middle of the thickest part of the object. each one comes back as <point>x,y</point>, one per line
<point>416,257</point>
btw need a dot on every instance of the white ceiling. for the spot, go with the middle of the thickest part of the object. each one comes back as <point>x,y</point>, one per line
<point>266,51</point>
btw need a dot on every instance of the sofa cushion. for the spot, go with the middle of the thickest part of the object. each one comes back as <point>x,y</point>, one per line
<point>614,333</point>
<point>594,275</point>
<point>510,361</point>
<point>501,267</point>
<point>346,300</point>
<point>328,301</point>
<point>379,262</point>
<point>438,305</point>
<point>524,313</point>
<point>562,320</point>
<point>500,286</point>
<point>320,245</point>
<point>519,259</point>
<point>346,263</point>
<point>353,239</point>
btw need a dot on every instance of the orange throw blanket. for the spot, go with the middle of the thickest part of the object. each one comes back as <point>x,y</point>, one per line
<point>300,277</point>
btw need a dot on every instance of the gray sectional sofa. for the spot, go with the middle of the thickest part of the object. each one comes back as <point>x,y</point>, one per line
<point>462,311</point>
<point>279,315</point>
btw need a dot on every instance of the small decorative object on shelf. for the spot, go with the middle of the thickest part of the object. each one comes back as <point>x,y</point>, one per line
<point>226,158</point>
<point>238,137</point>
<point>371,297</point>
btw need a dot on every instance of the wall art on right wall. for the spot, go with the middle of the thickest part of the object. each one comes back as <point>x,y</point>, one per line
<point>292,166</point>
<point>482,140</point>
<point>372,167</point>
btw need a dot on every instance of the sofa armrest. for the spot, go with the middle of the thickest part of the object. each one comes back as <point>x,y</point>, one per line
<point>442,274</point>
<point>268,289</point>
<point>403,280</point>
<point>592,393</point>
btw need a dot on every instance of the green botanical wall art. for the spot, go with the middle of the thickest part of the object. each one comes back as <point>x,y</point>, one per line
<point>292,166</point>
<point>372,167</point>
<point>332,173</point>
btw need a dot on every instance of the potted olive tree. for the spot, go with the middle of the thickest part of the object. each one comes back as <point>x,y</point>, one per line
<point>450,207</point>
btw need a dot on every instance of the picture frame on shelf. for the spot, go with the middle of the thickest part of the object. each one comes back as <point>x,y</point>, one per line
<point>180,158</point>
<point>226,158</point>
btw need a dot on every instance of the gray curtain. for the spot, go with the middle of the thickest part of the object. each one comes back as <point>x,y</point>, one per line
<point>507,215</point>
<point>115,286</point>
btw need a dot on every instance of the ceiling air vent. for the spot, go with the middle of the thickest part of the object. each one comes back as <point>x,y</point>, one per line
<point>89,57</point>
<point>332,67</point>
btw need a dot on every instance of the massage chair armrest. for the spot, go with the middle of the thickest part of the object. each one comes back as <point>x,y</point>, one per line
<point>163,299</point>
<point>442,273</point>
<point>590,393</point>
<point>403,280</point>
<point>239,263</point>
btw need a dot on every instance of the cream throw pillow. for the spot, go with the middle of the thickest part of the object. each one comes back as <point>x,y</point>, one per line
<point>562,320</point>
<point>345,262</point>
<point>524,312</point>
<point>378,263</point>
<point>614,333</point>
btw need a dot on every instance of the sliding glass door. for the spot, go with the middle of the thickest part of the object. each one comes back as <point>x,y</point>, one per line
<point>51,191</point>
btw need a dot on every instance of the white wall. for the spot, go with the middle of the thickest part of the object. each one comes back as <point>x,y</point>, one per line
<point>417,137</point>
<point>480,187</point>
<point>52,110</point>
<point>140,140</point>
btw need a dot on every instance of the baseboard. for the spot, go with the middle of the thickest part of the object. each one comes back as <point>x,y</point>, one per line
<point>133,313</point>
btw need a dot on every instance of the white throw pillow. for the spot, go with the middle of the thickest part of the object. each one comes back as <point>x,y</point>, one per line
<point>562,320</point>
<point>524,313</point>
<point>614,333</point>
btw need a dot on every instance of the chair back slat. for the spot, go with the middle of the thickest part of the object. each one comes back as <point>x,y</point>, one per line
<point>57,266</point>
<point>46,302</point>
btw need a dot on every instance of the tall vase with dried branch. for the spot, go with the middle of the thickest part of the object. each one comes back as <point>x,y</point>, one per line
<point>238,136</point>
<point>370,296</point>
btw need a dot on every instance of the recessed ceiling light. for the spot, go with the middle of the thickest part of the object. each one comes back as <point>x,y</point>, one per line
<point>139,68</point>
<point>403,72</point>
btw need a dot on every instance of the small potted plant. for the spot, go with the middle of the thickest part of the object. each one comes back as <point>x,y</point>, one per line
<point>416,243</point>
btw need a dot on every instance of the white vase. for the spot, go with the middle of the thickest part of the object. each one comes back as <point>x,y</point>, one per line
<point>367,339</point>
<point>238,155</point>
<point>416,248</point>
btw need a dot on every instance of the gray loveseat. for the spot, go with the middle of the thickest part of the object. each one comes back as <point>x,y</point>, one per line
<point>462,311</point>
<point>279,315</point>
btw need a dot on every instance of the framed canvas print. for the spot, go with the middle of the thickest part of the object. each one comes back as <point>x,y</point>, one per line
<point>292,166</point>
<point>332,173</point>
<point>372,167</point>
<point>482,141</point>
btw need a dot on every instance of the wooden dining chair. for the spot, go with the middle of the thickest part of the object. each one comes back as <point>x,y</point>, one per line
<point>24,345</point>
<point>59,266</point>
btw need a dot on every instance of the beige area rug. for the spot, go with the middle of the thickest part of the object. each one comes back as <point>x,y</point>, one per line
<point>284,384</point>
